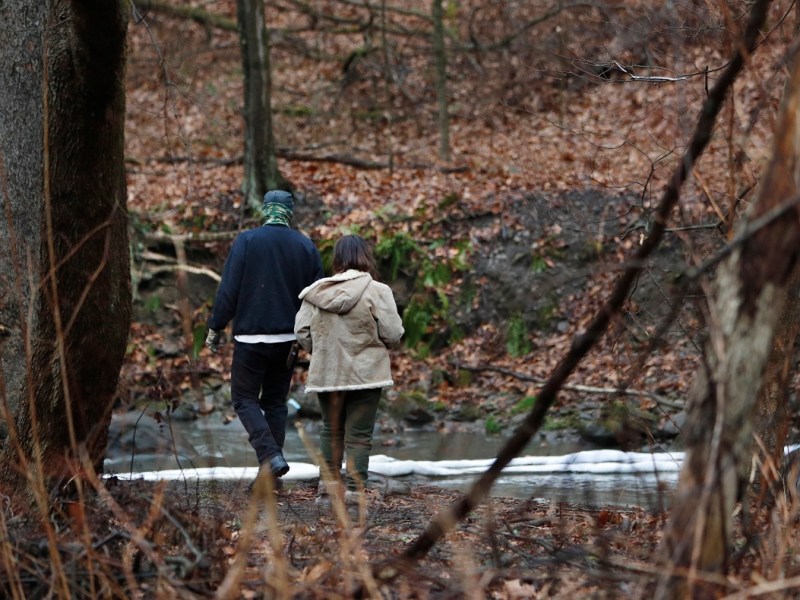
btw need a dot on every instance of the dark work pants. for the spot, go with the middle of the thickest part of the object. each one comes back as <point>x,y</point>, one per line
<point>348,419</point>
<point>260,383</point>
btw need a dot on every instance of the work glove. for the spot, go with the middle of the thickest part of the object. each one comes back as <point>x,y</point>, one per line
<point>212,340</point>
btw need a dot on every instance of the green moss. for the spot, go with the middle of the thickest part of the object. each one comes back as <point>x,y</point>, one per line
<point>439,406</point>
<point>463,378</point>
<point>469,412</point>
<point>561,423</point>
<point>407,402</point>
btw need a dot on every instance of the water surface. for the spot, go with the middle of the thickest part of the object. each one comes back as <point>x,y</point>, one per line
<point>210,441</point>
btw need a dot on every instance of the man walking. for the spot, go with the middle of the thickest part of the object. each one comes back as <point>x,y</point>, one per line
<point>264,273</point>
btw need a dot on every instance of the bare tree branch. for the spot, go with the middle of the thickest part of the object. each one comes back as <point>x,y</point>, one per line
<point>343,159</point>
<point>193,13</point>
<point>589,389</point>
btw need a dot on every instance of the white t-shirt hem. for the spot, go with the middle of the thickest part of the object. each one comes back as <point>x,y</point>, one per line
<point>275,338</point>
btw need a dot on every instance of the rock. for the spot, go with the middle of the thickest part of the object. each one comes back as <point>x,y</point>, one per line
<point>187,410</point>
<point>134,432</point>
<point>167,348</point>
<point>673,426</point>
<point>411,407</point>
<point>598,435</point>
<point>387,486</point>
<point>620,425</point>
<point>418,416</point>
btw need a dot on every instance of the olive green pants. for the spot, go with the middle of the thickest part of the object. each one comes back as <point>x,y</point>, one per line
<point>348,420</point>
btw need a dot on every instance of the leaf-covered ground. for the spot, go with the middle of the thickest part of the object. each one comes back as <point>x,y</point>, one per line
<point>218,537</point>
<point>505,549</point>
<point>531,123</point>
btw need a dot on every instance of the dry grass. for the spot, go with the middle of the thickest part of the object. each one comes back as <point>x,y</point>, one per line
<point>213,539</point>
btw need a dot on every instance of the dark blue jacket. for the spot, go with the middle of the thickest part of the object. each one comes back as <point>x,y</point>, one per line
<point>264,273</point>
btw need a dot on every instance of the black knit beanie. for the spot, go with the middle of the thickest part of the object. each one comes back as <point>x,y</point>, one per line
<point>279,197</point>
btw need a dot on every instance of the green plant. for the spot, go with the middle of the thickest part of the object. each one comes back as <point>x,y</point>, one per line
<point>152,303</point>
<point>538,264</point>
<point>325,248</point>
<point>396,250</point>
<point>493,426</point>
<point>436,274</point>
<point>137,222</point>
<point>547,310</point>
<point>460,261</point>
<point>198,339</point>
<point>524,405</point>
<point>517,342</point>
<point>426,317</point>
<point>416,320</point>
<point>197,223</point>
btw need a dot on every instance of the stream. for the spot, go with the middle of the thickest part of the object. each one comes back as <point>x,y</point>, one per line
<point>553,471</point>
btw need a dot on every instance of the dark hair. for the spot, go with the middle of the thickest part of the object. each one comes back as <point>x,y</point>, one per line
<point>352,252</point>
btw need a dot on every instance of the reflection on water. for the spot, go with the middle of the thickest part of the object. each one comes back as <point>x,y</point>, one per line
<point>647,491</point>
<point>208,441</point>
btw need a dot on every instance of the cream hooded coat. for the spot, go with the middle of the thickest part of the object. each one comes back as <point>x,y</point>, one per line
<point>346,322</point>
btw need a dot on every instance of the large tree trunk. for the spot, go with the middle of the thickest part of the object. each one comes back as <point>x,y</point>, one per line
<point>746,301</point>
<point>64,267</point>
<point>260,165</point>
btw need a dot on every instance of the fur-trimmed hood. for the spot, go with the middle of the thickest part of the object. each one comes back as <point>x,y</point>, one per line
<point>339,293</point>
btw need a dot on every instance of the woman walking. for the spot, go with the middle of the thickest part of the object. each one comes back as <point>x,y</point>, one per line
<point>347,322</point>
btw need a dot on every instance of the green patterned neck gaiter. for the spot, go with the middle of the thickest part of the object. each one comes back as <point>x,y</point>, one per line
<point>276,214</point>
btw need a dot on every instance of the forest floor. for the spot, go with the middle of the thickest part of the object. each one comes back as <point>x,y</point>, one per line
<point>219,539</point>
<point>506,548</point>
<point>232,539</point>
<point>551,184</point>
